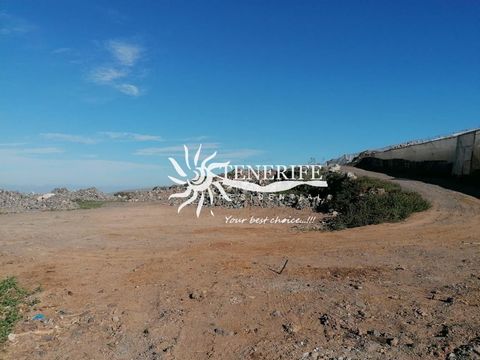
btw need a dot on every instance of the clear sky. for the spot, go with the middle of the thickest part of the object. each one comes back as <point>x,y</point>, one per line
<point>102,92</point>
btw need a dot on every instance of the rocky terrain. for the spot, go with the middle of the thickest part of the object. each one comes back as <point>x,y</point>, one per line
<point>240,198</point>
<point>64,199</point>
<point>57,199</point>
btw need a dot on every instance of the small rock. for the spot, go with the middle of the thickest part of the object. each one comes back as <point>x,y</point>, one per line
<point>371,347</point>
<point>222,332</point>
<point>195,295</point>
<point>392,341</point>
<point>351,175</point>
<point>360,304</point>
<point>324,319</point>
<point>291,328</point>
<point>405,340</point>
<point>421,312</point>
<point>334,168</point>
<point>361,331</point>
<point>275,313</point>
<point>450,300</point>
<point>11,337</point>
<point>444,332</point>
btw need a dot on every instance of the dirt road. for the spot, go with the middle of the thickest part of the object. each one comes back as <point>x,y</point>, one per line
<point>142,282</point>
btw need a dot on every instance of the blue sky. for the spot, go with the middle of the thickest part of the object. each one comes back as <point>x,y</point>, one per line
<point>102,92</point>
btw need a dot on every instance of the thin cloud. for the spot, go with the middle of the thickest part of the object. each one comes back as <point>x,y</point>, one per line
<point>125,56</point>
<point>12,144</point>
<point>30,151</point>
<point>128,89</point>
<point>116,16</point>
<point>13,25</point>
<point>179,150</point>
<point>125,53</point>
<point>106,75</point>
<point>61,50</point>
<point>196,138</point>
<point>131,136</point>
<point>172,150</point>
<point>240,154</point>
<point>101,136</point>
<point>69,138</point>
<point>41,150</point>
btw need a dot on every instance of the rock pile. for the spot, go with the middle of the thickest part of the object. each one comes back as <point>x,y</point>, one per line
<point>90,194</point>
<point>240,198</point>
<point>63,199</point>
<point>158,193</point>
<point>58,199</point>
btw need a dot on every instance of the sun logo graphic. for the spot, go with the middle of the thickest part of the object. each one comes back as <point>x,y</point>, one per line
<point>203,180</point>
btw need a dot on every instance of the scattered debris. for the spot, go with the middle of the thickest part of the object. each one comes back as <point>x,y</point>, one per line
<point>282,268</point>
<point>39,317</point>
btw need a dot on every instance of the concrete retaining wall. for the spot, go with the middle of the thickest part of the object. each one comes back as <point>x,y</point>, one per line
<point>476,154</point>
<point>457,155</point>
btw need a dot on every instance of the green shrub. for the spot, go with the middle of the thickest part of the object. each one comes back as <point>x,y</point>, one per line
<point>11,297</point>
<point>90,204</point>
<point>367,201</point>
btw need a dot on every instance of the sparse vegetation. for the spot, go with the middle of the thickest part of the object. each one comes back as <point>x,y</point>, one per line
<point>367,201</point>
<point>90,204</point>
<point>12,296</point>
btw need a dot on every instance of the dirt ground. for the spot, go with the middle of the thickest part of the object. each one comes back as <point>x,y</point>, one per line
<point>139,281</point>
